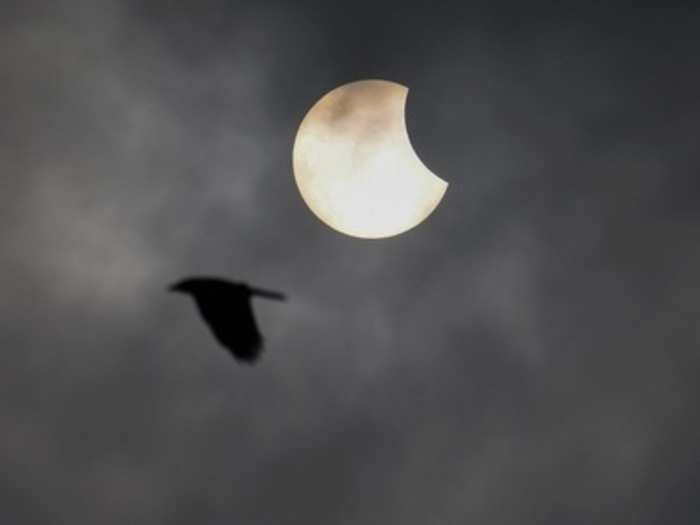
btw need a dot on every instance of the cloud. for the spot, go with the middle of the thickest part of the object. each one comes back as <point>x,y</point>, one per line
<point>524,356</point>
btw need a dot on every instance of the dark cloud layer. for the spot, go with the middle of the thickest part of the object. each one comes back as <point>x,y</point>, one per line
<point>528,355</point>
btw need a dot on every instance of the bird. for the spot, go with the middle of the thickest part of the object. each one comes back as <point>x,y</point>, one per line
<point>226,308</point>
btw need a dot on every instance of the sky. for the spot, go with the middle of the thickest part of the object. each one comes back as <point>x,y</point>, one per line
<point>527,355</point>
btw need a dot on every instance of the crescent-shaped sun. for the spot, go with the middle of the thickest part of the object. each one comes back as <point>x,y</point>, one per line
<point>354,164</point>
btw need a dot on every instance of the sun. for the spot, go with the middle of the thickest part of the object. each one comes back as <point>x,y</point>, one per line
<point>354,164</point>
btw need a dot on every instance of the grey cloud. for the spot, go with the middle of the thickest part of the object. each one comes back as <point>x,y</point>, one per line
<point>527,355</point>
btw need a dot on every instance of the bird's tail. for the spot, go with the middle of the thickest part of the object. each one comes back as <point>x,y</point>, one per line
<point>267,294</point>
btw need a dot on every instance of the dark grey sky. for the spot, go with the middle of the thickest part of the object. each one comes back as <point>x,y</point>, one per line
<point>528,355</point>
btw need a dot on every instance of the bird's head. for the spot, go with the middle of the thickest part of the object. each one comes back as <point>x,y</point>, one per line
<point>204,286</point>
<point>187,286</point>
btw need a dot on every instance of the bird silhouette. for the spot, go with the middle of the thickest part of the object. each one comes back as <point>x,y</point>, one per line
<point>226,307</point>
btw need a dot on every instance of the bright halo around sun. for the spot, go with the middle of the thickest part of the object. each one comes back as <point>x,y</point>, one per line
<point>354,164</point>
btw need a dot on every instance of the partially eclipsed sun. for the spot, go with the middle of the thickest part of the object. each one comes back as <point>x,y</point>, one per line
<point>355,166</point>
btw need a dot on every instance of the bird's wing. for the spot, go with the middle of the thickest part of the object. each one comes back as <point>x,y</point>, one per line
<point>233,324</point>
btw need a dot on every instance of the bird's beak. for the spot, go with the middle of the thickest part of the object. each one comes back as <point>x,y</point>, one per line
<point>175,287</point>
<point>267,294</point>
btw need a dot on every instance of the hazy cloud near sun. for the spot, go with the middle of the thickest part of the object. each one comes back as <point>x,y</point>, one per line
<point>527,355</point>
